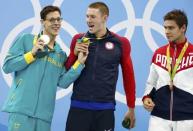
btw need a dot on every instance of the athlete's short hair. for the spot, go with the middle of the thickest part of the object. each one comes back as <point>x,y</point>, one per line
<point>47,9</point>
<point>101,6</point>
<point>178,16</point>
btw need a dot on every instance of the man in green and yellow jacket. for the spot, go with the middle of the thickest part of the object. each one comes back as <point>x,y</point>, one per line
<point>38,70</point>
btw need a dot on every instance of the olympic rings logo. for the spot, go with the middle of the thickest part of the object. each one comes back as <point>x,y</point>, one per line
<point>130,24</point>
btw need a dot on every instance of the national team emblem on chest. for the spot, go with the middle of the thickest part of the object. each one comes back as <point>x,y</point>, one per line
<point>109,46</point>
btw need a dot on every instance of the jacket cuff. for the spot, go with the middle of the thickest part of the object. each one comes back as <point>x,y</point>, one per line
<point>29,58</point>
<point>147,96</point>
<point>77,64</point>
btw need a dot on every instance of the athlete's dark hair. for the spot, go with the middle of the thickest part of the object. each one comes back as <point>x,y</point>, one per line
<point>48,9</point>
<point>178,16</point>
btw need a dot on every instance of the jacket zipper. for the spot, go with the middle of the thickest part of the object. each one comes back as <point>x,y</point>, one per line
<point>40,85</point>
<point>172,93</point>
<point>171,105</point>
<point>95,60</point>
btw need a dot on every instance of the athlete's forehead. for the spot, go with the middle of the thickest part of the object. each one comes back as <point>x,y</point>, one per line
<point>93,11</point>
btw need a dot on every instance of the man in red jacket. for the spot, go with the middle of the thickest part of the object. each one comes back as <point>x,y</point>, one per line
<point>169,90</point>
<point>93,98</point>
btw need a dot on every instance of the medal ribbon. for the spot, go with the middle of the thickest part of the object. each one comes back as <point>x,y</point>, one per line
<point>171,71</point>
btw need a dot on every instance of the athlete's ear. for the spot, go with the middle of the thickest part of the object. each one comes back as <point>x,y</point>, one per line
<point>42,22</point>
<point>105,17</point>
<point>183,28</point>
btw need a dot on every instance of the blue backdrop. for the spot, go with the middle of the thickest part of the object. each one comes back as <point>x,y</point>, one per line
<point>139,20</point>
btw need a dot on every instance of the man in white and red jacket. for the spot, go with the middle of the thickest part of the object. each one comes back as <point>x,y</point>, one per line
<point>169,90</point>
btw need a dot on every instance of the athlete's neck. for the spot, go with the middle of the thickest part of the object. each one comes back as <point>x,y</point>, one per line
<point>101,33</point>
<point>180,40</point>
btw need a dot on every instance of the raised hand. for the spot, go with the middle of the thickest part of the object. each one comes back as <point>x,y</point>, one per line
<point>39,46</point>
<point>82,56</point>
<point>81,47</point>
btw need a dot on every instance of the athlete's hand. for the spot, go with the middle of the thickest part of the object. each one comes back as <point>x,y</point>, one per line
<point>82,56</point>
<point>39,45</point>
<point>130,115</point>
<point>148,104</point>
<point>81,47</point>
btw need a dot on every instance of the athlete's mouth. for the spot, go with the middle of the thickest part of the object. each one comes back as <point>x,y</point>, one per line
<point>91,26</point>
<point>55,28</point>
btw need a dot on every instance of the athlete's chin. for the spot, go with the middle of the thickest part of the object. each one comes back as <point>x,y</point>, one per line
<point>55,33</point>
<point>91,31</point>
<point>171,39</point>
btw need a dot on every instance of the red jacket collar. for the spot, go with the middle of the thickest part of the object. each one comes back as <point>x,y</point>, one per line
<point>178,45</point>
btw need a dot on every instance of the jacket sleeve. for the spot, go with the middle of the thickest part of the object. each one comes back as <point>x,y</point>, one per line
<point>128,73</point>
<point>151,81</point>
<point>17,59</point>
<point>68,77</point>
<point>71,58</point>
